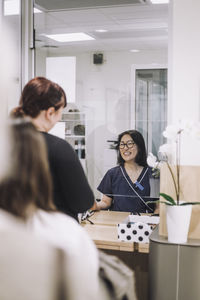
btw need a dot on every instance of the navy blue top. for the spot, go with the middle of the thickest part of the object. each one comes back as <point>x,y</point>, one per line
<point>126,195</point>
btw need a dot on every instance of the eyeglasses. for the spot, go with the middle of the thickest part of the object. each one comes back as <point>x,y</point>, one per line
<point>129,145</point>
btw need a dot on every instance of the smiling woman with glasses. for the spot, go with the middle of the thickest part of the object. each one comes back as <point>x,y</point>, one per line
<point>126,187</point>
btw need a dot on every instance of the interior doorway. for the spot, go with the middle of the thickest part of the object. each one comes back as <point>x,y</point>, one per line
<point>149,107</point>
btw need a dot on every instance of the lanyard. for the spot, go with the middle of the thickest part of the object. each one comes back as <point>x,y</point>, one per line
<point>135,190</point>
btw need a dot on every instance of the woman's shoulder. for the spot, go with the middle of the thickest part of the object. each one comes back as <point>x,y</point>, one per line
<point>62,230</point>
<point>60,225</point>
<point>53,139</point>
<point>114,170</point>
<point>56,219</point>
<point>57,145</point>
<point>111,173</point>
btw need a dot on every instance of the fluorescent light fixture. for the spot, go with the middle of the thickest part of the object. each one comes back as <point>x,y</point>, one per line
<point>11,7</point>
<point>101,30</point>
<point>37,11</point>
<point>159,1</point>
<point>134,50</point>
<point>70,37</point>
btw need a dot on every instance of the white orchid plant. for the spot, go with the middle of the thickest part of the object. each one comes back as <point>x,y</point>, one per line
<point>173,135</point>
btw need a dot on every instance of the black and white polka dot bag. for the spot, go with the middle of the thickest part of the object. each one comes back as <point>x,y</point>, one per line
<point>133,231</point>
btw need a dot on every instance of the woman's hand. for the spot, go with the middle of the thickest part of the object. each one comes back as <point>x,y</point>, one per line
<point>103,204</point>
<point>95,206</point>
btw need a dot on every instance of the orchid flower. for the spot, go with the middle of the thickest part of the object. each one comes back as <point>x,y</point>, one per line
<point>173,134</point>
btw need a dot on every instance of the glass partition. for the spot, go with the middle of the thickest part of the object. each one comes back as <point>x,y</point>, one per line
<point>102,106</point>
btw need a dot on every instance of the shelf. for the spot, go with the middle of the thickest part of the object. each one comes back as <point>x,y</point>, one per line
<point>73,120</point>
<point>73,117</point>
<point>74,136</point>
<point>73,113</point>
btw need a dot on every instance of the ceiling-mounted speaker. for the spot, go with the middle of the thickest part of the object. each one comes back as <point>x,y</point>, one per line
<point>97,58</point>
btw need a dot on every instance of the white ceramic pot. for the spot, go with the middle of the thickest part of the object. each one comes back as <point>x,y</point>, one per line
<point>178,222</point>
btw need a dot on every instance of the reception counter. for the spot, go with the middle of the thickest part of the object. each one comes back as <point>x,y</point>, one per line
<point>162,270</point>
<point>102,228</point>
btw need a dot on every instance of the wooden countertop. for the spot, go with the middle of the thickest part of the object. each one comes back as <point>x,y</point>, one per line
<point>103,232</point>
<point>105,217</point>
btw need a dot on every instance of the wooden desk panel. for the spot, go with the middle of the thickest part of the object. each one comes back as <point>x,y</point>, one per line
<point>103,232</point>
<point>141,247</point>
<point>105,237</point>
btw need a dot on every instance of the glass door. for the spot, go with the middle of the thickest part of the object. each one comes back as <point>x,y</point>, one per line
<point>151,106</point>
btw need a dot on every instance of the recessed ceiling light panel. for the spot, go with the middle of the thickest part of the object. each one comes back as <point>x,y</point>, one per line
<point>70,37</point>
<point>159,1</point>
<point>134,50</point>
<point>101,30</point>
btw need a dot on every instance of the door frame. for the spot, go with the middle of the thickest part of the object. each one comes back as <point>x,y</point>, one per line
<point>135,67</point>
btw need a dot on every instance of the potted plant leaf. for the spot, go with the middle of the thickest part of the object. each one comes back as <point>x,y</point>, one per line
<point>178,212</point>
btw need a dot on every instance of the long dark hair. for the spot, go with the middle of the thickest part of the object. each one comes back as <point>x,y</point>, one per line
<point>141,157</point>
<point>39,94</point>
<point>29,180</point>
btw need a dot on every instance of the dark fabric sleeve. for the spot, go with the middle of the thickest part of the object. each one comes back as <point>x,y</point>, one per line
<point>105,186</point>
<point>72,192</point>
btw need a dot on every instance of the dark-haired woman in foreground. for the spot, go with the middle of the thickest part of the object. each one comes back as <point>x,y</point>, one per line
<point>126,187</point>
<point>26,192</point>
<point>43,101</point>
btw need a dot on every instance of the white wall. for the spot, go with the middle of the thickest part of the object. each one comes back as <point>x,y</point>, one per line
<point>10,66</point>
<point>184,60</point>
<point>103,92</point>
<point>9,84</point>
<point>184,71</point>
<point>62,70</point>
